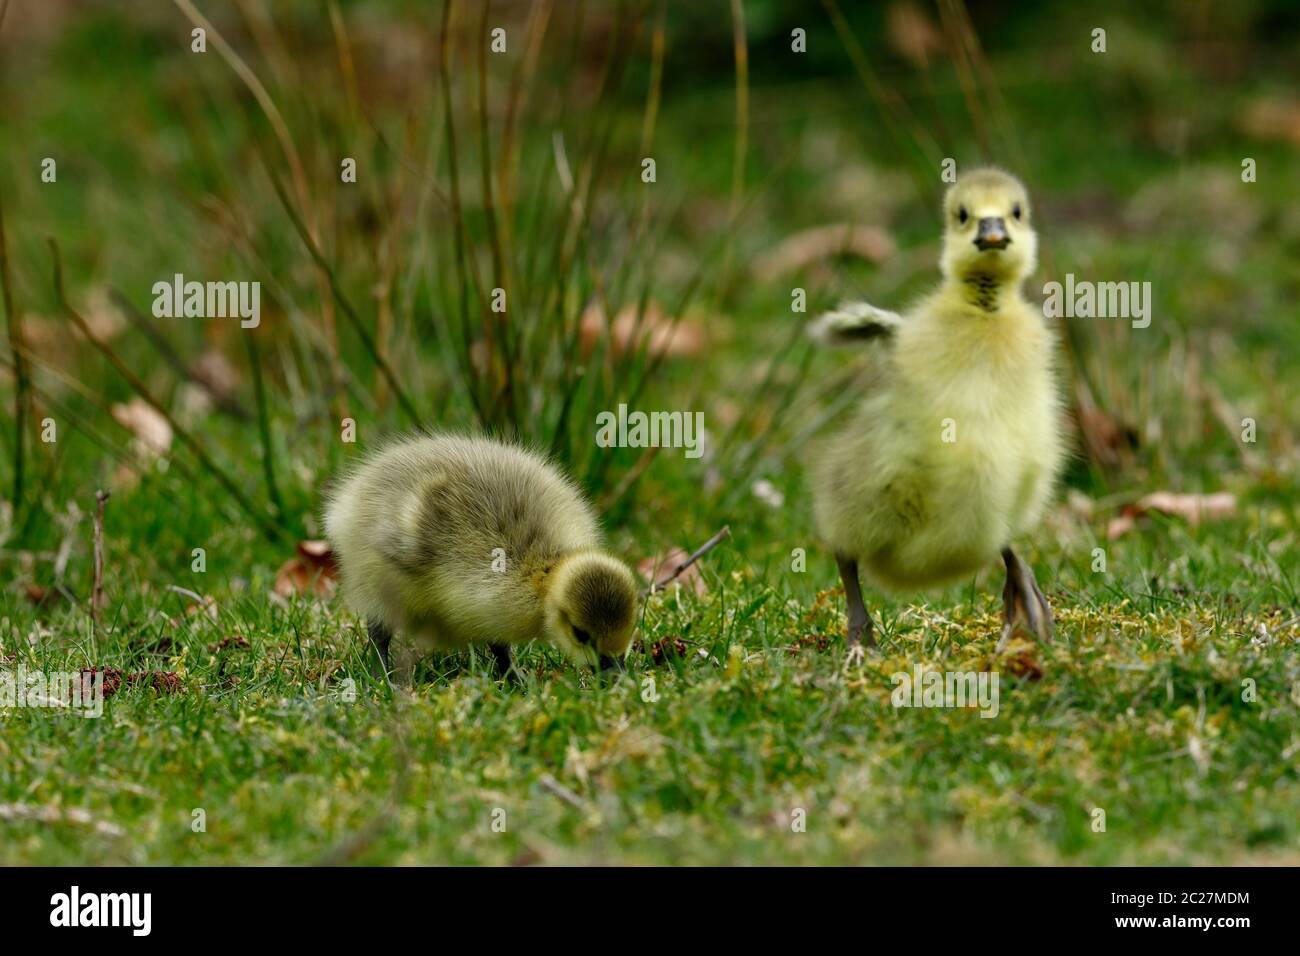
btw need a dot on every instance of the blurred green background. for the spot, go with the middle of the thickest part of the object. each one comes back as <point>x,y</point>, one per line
<point>775,170</point>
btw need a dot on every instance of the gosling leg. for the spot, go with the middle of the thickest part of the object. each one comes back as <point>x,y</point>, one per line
<point>1024,606</point>
<point>380,638</point>
<point>859,620</point>
<point>503,664</point>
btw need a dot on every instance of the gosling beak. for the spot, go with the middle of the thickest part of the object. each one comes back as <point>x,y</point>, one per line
<point>608,664</point>
<point>992,234</point>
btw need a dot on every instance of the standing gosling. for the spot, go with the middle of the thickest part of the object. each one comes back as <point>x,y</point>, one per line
<point>958,447</point>
<point>451,540</point>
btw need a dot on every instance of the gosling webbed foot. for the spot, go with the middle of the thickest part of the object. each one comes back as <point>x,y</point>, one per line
<point>610,670</point>
<point>1024,607</point>
<point>855,656</point>
<point>503,664</point>
<point>380,638</point>
<point>859,619</point>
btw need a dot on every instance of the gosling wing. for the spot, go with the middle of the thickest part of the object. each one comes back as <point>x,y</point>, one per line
<point>854,322</point>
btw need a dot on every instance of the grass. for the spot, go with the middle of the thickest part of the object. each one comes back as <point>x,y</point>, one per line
<point>1139,711</point>
<point>1169,699</point>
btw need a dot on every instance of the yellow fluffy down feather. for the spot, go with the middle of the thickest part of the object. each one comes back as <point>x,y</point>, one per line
<point>956,450</point>
<point>451,540</point>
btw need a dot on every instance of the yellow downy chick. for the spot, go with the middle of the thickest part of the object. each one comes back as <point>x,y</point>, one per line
<point>451,540</point>
<point>958,446</point>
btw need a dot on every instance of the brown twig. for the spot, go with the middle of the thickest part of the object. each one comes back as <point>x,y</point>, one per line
<point>629,478</point>
<point>367,339</point>
<point>740,52</point>
<point>466,262</point>
<point>221,398</point>
<point>66,412</point>
<point>297,171</point>
<point>521,84</point>
<point>22,377</point>
<point>272,529</point>
<point>700,552</point>
<point>263,424</point>
<point>97,594</point>
<point>501,380</point>
<point>893,110</point>
<point>554,787</point>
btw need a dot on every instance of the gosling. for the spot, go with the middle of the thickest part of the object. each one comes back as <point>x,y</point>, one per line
<point>957,449</point>
<point>452,541</point>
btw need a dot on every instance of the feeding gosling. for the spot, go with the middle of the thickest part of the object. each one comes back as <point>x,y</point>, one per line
<point>956,450</point>
<point>450,541</point>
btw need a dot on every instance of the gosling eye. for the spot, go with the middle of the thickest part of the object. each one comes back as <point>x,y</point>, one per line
<point>581,636</point>
<point>1015,210</point>
<point>962,214</point>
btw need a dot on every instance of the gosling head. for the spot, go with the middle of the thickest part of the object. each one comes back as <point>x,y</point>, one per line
<point>987,231</point>
<point>590,609</point>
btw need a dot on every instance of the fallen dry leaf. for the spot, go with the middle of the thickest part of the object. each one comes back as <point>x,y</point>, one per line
<point>1273,118</point>
<point>312,571</point>
<point>912,33</point>
<point>1109,442</point>
<point>1193,508</point>
<point>216,371</point>
<point>819,641</point>
<point>42,597</point>
<point>167,682</point>
<point>215,383</point>
<point>50,336</point>
<point>237,641</point>
<point>768,493</point>
<point>153,433</point>
<point>1079,504</point>
<point>656,333</point>
<point>208,606</point>
<point>663,649</point>
<point>1021,659</point>
<point>814,245</point>
<point>659,569</point>
<point>56,814</point>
